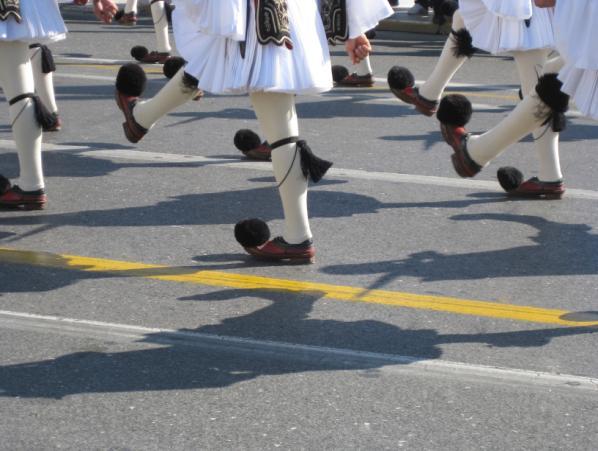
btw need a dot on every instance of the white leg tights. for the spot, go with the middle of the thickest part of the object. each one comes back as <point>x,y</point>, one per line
<point>174,94</point>
<point>160,26</point>
<point>364,67</point>
<point>446,67</point>
<point>16,78</point>
<point>546,141</point>
<point>520,122</point>
<point>278,120</point>
<point>131,6</point>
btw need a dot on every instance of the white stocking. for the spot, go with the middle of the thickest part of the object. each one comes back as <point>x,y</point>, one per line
<point>364,67</point>
<point>172,95</point>
<point>160,26</point>
<point>278,120</point>
<point>546,141</point>
<point>524,119</point>
<point>131,6</point>
<point>44,83</point>
<point>16,78</point>
<point>446,67</point>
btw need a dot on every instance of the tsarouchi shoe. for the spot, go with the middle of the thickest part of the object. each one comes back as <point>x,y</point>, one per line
<point>133,130</point>
<point>127,19</point>
<point>511,180</point>
<point>15,197</point>
<point>155,57</point>
<point>356,81</point>
<point>457,138</point>
<point>279,249</point>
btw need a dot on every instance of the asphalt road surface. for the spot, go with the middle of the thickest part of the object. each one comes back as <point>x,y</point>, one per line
<point>439,314</point>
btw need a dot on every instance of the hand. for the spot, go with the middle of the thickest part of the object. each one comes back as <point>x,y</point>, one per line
<point>358,48</point>
<point>104,10</point>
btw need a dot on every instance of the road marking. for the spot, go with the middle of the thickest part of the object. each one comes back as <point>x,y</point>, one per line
<point>388,364</point>
<point>235,163</point>
<point>249,282</point>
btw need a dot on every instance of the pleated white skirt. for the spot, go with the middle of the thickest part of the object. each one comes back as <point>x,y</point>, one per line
<point>499,34</point>
<point>215,59</point>
<point>41,22</point>
<point>576,27</point>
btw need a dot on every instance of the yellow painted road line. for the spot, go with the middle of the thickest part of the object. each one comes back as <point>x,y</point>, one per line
<point>114,68</point>
<point>338,292</point>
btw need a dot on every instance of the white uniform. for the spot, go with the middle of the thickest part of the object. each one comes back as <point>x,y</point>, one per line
<point>576,24</point>
<point>41,22</point>
<point>208,35</point>
<point>498,26</point>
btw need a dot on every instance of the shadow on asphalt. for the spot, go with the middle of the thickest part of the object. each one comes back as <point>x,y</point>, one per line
<point>559,250</point>
<point>286,318</point>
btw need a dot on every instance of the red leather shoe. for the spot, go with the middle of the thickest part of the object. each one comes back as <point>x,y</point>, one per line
<point>411,95</point>
<point>278,249</point>
<point>28,200</point>
<point>133,131</point>
<point>127,19</point>
<point>154,57</point>
<point>356,81</point>
<point>457,138</point>
<point>535,188</point>
<point>263,152</point>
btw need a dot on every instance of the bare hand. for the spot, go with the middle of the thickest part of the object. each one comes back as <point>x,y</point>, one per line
<point>358,48</point>
<point>104,10</point>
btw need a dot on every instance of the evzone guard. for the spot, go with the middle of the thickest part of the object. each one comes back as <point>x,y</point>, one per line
<point>272,50</point>
<point>23,23</point>
<point>572,74</point>
<point>515,27</point>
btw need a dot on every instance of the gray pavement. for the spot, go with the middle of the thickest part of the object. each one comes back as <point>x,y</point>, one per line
<point>200,363</point>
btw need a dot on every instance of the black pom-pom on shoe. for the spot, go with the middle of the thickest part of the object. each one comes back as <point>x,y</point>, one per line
<point>246,140</point>
<point>131,80</point>
<point>172,65</point>
<point>400,78</point>
<point>252,232</point>
<point>139,52</point>
<point>509,178</point>
<point>455,110</point>
<point>339,73</point>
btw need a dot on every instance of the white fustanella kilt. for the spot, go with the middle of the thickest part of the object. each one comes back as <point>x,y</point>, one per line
<point>576,26</point>
<point>498,26</point>
<point>41,22</point>
<point>208,35</point>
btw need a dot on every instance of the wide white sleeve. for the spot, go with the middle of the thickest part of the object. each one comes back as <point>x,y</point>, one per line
<point>364,15</point>
<point>510,9</point>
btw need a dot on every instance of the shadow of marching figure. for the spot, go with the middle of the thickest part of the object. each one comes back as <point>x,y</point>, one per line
<point>182,367</point>
<point>559,250</point>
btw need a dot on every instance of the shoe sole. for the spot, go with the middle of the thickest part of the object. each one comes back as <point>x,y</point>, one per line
<point>299,259</point>
<point>131,137</point>
<point>542,196</point>
<point>410,101</point>
<point>23,205</point>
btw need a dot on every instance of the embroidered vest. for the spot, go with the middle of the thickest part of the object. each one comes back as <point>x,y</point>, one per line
<point>10,8</point>
<point>334,17</point>
<point>272,19</point>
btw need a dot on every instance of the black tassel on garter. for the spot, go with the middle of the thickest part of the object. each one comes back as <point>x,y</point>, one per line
<point>45,118</point>
<point>312,166</point>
